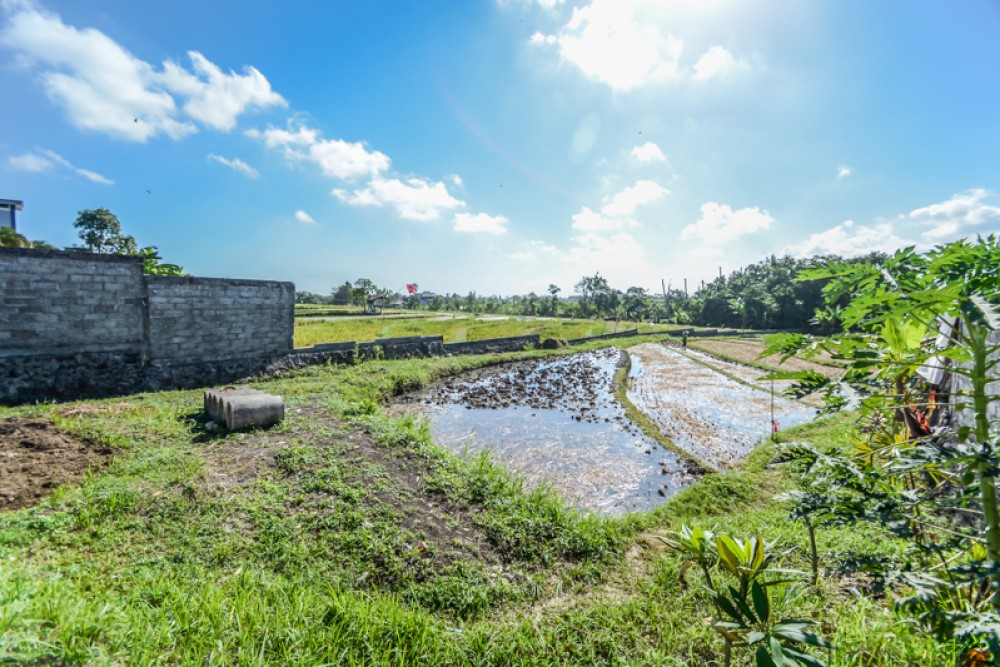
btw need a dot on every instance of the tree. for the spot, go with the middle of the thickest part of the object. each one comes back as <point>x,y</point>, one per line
<point>342,294</point>
<point>11,239</point>
<point>597,297</point>
<point>101,232</point>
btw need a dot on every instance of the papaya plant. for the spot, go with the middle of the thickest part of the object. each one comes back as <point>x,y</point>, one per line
<point>913,319</point>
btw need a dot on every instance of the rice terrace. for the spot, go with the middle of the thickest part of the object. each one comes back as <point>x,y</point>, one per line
<point>561,332</point>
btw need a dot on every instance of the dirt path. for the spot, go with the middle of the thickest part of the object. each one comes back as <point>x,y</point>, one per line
<point>716,418</point>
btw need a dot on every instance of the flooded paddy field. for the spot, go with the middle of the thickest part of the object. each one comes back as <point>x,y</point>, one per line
<point>716,418</point>
<point>556,422</point>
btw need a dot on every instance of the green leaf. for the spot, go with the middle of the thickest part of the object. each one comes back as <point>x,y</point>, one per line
<point>988,311</point>
<point>761,603</point>
<point>758,553</point>
<point>763,658</point>
<point>742,604</point>
<point>777,651</point>
<point>801,658</point>
<point>754,637</point>
<point>728,550</point>
<point>729,608</point>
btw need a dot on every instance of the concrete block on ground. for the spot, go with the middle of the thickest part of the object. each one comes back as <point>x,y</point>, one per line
<point>244,407</point>
<point>248,410</point>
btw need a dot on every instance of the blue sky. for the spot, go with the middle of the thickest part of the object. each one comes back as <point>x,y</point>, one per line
<point>502,145</point>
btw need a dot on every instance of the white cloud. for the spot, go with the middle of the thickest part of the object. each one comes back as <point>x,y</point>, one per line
<point>302,216</point>
<point>30,162</point>
<point>414,199</point>
<point>456,180</point>
<point>235,164</point>
<point>715,62</point>
<point>214,98</point>
<point>629,44</point>
<point>955,217</point>
<point>609,43</point>
<point>43,160</point>
<point>849,240</point>
<point>337,158</point>
<point>592,221</point>
<point>719,223</point>
<point>535,249</point>
<point>104,88</point>
<point>843,171</point>
<point>480,223</point>
<point>625,202</point>
<point>617,211</point>
<point>620,258</point>
<point>539,38</point>
<point>648,152</point>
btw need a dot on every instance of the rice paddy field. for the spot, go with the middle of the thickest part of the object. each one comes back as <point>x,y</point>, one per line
<point>456,328</point>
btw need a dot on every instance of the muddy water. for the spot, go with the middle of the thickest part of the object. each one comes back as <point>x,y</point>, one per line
<point>556,422</point>
<point>717,419</point>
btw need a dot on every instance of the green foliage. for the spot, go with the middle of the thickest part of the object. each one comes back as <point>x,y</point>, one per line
<point>11,239</point>
<point>909,474</point>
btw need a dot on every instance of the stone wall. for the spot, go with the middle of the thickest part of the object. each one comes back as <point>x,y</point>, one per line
<point>493,345</point>
<point>76,324</point>
<point>58,302</point>
<point>219,318</point>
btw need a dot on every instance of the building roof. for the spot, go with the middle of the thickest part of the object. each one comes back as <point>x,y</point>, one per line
<point>15,204</point>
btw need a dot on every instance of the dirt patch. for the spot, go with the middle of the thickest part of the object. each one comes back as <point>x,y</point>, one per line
<point>749,351</point>
<point>35,458</point>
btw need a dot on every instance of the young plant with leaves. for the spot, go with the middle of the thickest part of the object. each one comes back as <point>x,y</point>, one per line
<point>744,613</point>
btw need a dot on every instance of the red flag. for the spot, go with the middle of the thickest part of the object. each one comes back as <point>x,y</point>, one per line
<point>411,288</point>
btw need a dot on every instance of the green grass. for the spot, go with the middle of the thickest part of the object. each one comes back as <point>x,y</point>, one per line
<point>457,328</point>
<point>188,550</point>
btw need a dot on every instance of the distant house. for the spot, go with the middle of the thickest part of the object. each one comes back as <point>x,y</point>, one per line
<point>8,212</point>
<point>426,298</point>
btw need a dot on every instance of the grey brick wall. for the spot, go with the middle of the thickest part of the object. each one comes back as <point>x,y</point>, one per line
<point>212,318</point>
<point>78,324</point>
<point>59,302</point>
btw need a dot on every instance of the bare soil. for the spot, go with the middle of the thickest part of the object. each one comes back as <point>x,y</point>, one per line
<point>749,351</point>
<point>35,458</point>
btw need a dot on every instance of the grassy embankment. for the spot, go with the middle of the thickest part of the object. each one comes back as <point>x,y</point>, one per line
<point>346,537</point>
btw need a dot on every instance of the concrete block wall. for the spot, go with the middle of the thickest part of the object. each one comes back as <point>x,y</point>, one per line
<point>59,302</point>
<point>212,318</point>
<point>78,324</point>
<point>493,345</point>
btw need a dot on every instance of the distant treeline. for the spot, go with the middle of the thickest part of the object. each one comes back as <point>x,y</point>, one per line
<point>765,295</point>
